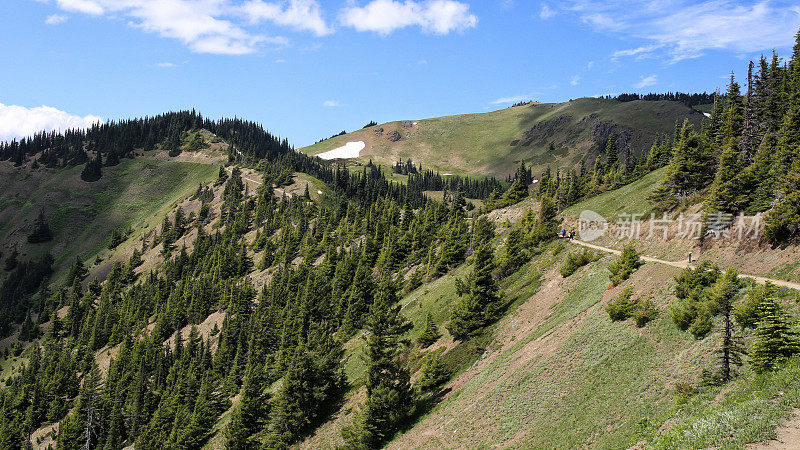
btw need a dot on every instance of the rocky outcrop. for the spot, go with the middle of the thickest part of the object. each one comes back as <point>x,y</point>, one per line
<point>544,130</point>
<point>394,136</point>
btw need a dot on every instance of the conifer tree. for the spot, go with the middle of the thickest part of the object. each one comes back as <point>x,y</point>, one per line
<point>389,396</point>
<point>479,302</point>
<point>41,230</point>
<point>722,296</point>
<point>774,339</point>
<point>430,333</point>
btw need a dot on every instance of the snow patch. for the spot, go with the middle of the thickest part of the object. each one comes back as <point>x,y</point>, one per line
<point>707,114</point>
<point>349,150</point>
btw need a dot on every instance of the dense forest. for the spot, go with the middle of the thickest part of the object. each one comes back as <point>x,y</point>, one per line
<point>336,267</point>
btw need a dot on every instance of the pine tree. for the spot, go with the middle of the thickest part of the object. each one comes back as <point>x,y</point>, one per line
<point>515,253</point>
<point>389,395</point>
<point>774,339</point>
<point>479,303</point>
<point>248,417</point>
<point>625,265</point>
<point>430,333</point>
<point>92,171</point>
<point>722,295</point>
<point>41,230</point>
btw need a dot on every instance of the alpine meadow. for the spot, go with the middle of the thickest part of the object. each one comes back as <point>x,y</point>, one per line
<point>588,270</point>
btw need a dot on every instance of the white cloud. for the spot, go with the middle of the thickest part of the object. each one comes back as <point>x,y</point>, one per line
<point>303,15</point>
<point>166,64</point>
<point>684,29</point>
<point>547,12</point>
<point>646,81</point>
<point>19,121</point>
<point>208,26</point>
<point>639,52</point>
<point>510,100</point>
<point>385,16</point>
<point>82,6</point>
<point>55,19</point>
<point>575,80</point>
<point>331,104</point>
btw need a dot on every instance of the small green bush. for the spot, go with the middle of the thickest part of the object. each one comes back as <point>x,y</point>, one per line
<point>683,314</point>
<point>645,312</point>
<point>433,373</point>
<point>622,268</point>
<point>702,325</point>
<point>577,260</point>
<point>621,307</point>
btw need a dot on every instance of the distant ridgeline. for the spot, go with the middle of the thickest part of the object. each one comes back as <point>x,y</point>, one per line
<point>248,143</point>
<point>114,140</point>
<point>687,99</point>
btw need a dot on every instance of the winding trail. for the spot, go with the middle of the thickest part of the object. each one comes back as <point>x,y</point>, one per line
<point>685,264</point>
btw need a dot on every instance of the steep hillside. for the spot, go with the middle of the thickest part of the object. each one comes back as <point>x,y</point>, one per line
<point>81,215</point>
<point>555,134</point>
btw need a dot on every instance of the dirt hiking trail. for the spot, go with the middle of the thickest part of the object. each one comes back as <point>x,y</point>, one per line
<point>685,264</point>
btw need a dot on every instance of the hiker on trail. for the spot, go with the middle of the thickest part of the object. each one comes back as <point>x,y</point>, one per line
<point>572,235</point>
<point>690,257</point>
<point>563,233</point>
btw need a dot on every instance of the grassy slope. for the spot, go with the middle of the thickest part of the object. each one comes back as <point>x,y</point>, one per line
<point>482,143</point>
<point>136,193</point>
<point>631,198</point>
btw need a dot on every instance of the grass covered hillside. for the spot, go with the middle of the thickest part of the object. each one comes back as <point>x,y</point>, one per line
<point>82,216</point>
<point>554,134</point>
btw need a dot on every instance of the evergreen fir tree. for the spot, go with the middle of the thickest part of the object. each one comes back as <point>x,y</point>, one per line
<point>41,230</point>
<point>389,396</point>
<point>479,303</point>
<point>774,339</point>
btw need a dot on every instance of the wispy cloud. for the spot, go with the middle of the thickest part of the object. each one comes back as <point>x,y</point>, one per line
<point>166,64</point>
<point>55,19</point>
<point>19,121</point>
<point>303,15</point>
<point>386,16</point>
<point>331,104</point>
<point>547,12</point>
<point>575,80</point>
<point>639,52</point>
<point>646,81</point>
<point>684,29</point>
<point>209,26</point>
<point>510,100</point>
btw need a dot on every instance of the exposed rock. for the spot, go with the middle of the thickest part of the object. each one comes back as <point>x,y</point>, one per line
<point>543,130</point>
<point>394,136</point>
<point>378,131</point>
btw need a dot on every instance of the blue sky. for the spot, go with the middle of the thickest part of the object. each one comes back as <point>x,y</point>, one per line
<point>306,69</point>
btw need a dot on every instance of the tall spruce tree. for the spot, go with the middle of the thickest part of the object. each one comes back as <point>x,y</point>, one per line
<point>479,302</point>
<point>389,395</point>
<point>774,339</point>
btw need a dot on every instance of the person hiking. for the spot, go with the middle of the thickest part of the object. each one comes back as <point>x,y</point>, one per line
<point>563,233</point>
<point>572,235</point>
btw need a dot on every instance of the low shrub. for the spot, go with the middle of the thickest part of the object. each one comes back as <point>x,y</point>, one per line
<point>622,307</point>
<point>577,260</point>
<point>622,268</point>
